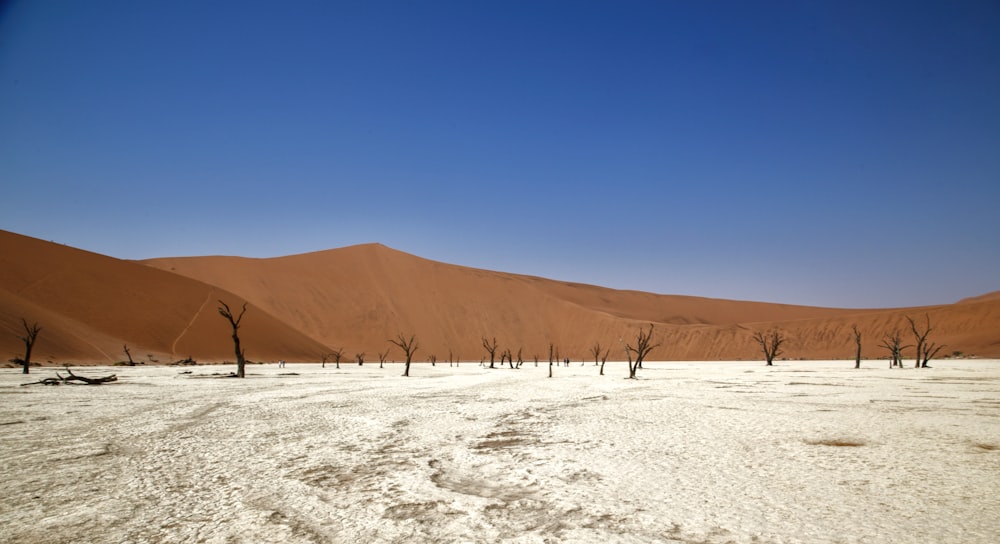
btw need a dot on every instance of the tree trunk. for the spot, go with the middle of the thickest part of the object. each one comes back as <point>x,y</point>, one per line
<point>27,358</point>
<point>240,362</point>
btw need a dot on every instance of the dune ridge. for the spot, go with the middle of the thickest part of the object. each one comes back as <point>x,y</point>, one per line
<point>356,298</point>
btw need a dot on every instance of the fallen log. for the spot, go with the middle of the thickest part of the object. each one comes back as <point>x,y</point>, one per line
<point>83,379</point>
<point>46,381</point>
<point>73,379</point>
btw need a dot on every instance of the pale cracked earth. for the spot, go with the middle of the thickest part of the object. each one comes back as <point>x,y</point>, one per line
<point>688,453</point>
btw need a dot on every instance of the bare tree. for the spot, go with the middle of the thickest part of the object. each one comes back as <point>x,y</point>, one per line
<point>409,347</point>
<point>857,342</point>
<point>128,354</point>
<point>920,336</point>
<point>337,355</point>
<point>491,348</point>
<point>642,348</point>
<point>360,358</point>
<point>893,341</point>
<point>770,343</point>
<point>596,351</point>
<point>324,357</point>
<point>225,312</point>
<point>520,360</point>
<point>29,338</point>
<point>432,359</point>
<point>508,356</point>
<point>604,359</point>
<point>381,358</point>
<point>930,351</point>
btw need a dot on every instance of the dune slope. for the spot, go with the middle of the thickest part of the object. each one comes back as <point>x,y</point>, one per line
<point>90,305</point>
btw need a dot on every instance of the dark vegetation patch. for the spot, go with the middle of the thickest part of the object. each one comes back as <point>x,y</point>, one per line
<point>836,442</point>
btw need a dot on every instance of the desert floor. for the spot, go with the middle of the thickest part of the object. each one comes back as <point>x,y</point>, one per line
<point>691,452</point>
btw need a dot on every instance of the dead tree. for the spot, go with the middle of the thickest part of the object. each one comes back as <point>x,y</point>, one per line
<point>491,348</point>
<point>930,351</point>
<point>604,359</point>
<point>409,347</point>
<point>337,355</point>
<point>381,358</point>
<point>29,338</point>
<point>596,351</point>
<point>360,358</point>
<point>770,343</point>
<point>520,360</point>
<point>920,336</point>
<point>857,342</point>
<point>893,341</point>
<point>225,312</point>
<point>324,357</point>
<point>507,356</point>
<point>129,355</point>
<point>432,359</point>
<point>642,348</point>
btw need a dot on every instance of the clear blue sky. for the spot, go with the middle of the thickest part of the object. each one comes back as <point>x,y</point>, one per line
<point>840,153</point>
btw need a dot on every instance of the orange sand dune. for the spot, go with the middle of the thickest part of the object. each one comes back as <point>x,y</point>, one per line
<point>90,305</point>
<point>358,297</point>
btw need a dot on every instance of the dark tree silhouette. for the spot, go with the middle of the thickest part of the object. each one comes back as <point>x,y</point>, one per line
<point>770,343</point>
<point>360,358</point>
<point>381,358</point>
<point>491,348</point>
<point>225,312</point>
<point>596,351</point>
<point>432,359</point>
<point>337,355</point>
<point>857,342</point>
<point>128,354</point>
<point>930,351</point>
<point>604,359</point>
<point>893,341</point>
<point>409,347</point>
<point>642,348</point>
<point>920,336</point>
<point>29,338</point>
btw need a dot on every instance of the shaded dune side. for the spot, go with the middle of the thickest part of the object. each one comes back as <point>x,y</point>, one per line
<point>357,297</point>
<point>89,305</point>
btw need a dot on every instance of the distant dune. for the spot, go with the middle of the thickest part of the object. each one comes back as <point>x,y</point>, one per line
<point>356,298</point>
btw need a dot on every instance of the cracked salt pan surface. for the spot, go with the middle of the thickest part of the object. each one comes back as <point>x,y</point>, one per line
<point>690,453</point>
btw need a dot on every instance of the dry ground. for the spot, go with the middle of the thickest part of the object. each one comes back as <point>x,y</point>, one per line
<point>691,452</point>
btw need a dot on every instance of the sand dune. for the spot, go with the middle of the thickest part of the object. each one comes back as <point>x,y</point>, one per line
<point>358,297</point>
<point>89,305</point>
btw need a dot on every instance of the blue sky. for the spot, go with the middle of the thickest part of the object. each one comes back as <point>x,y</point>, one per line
<point>829,153</point>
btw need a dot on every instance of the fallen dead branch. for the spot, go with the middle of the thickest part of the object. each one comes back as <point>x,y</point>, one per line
<point>74,379</point>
